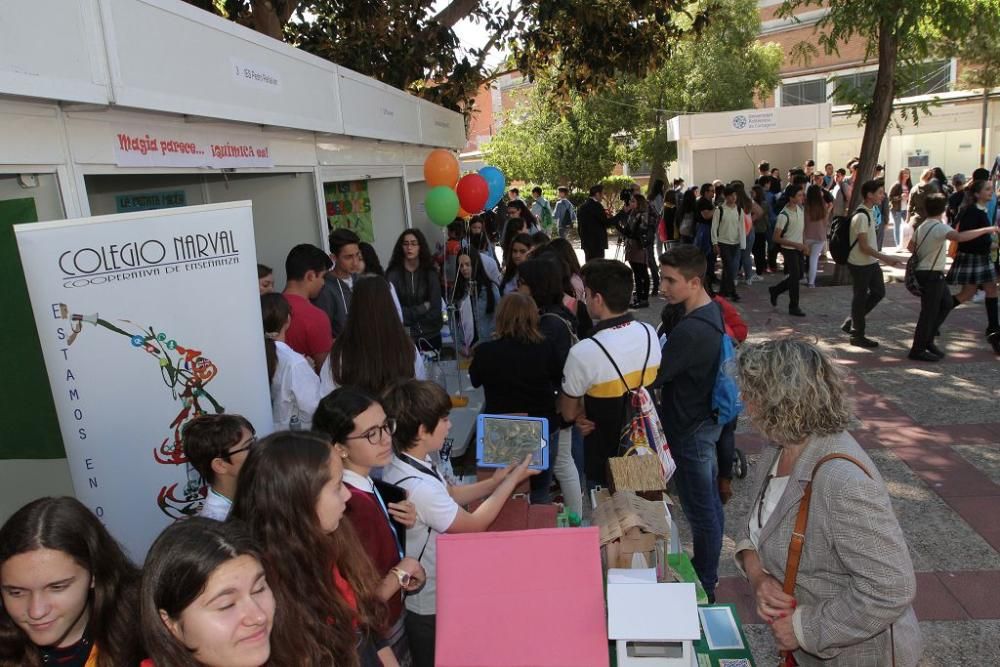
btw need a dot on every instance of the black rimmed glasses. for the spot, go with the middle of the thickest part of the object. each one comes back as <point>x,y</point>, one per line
<point>375,434</point>
<point>244,446</point>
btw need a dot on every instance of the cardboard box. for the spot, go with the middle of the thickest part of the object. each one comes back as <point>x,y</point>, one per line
<point>630,528</point>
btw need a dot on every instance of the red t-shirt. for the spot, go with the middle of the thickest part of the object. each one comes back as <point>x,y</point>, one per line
<point>376,538</point>
<point>309,333</point>
<point>344,588</point>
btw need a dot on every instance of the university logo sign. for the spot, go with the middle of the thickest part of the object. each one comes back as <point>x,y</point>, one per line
<point>739,121</point>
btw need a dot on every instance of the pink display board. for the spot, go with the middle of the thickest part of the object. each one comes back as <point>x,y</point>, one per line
<point>531,598</point>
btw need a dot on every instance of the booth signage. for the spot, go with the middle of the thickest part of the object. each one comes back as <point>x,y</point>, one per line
<point>150,201</point>
<point>754,120</point>
<point>348,206</point>
<point>255,76</point>
<point>169,148</point>
<point>127,309</point>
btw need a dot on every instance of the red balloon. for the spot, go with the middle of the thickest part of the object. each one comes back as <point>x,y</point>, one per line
<point>472,191</point>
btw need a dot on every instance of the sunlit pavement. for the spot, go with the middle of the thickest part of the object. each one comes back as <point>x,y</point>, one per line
<point>933,429</point>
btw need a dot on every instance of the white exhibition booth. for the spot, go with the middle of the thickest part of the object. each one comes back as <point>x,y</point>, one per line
<point>730,144</point>
<point>121,105</point>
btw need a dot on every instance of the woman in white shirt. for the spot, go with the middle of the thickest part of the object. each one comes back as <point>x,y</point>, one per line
<point>295,390</point>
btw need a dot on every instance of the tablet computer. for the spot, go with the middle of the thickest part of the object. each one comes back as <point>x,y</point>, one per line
<point>505,439</point>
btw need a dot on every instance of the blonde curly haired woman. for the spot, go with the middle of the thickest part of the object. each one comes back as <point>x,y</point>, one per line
<point>850,603</point>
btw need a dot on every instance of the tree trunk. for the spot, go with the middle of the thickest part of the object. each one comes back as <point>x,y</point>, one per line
<point>880,112</point>
<point>455,12</point>
<point>982,136</point>
<point>657,171</point>
<point>266,19</point>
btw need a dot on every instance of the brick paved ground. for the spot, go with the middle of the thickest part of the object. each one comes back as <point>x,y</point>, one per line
<point>934,432</point>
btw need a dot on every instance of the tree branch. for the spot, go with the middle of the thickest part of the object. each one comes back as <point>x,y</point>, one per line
<point>498,35</point>
<point>455,12</point>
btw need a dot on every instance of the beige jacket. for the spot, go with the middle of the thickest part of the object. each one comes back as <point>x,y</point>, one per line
<point>855,578</point>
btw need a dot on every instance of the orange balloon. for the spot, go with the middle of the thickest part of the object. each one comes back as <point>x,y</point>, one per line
<point>441,169</point>
<point>462,213</point>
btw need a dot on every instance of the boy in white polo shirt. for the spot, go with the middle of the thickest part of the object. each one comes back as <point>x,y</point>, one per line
<point>421,409</point>
<point>863,263</point>
<point>788,231</point>
<point>216,446</point>
<point>729,239</point>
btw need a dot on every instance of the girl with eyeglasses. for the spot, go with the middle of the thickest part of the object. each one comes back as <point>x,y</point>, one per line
<point>295,386</point>
<point>70,596</point>
<point>378,511</point>
<point>292,498</point>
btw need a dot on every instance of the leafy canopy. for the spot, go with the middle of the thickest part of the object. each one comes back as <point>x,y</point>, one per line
<point>547,139</point>
<point>579,45</point>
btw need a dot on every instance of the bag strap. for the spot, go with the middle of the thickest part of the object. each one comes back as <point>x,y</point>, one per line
<point>798,540</point>
<point>649,345</point>
<point>802,522</point>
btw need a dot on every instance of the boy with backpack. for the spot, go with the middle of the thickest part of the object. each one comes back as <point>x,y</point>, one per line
<point>695,405</point>
<point>603,371</point>
<point>564,214</point>
<point>863,262</point>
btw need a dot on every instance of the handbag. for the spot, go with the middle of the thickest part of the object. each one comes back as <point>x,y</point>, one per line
<point>910,275</point>
<point>637,470</point>
<point>798,542</point>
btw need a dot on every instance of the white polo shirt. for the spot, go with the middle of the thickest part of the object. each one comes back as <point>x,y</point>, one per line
<point>216,506</point>
<point>436,511</point>
<point>862,224</point>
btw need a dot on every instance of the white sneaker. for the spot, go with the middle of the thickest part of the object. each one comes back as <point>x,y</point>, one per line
<point>980,296</point>
<point>755,278</point>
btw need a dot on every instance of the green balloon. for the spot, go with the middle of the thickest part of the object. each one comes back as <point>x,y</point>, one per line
<point>441,205</point>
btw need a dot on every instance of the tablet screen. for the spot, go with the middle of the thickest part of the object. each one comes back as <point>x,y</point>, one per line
<point>507,441</point>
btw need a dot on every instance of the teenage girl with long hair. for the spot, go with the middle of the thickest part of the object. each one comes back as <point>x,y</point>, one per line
<point>417,283</point>
<point>292,497</point>
<point>205,598</point>
<point>816,215</point>
<point>362,437</point>
<point>70,595</point>
<point>295,389</point>
<point>972,265</point>
<point>518,250</point>
<point>473,326</point>
<point>373,350</point>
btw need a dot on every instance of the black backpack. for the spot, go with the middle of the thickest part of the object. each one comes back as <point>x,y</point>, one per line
<point>840,236</point>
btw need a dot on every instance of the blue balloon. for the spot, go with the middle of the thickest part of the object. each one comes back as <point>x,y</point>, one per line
<point>497,184</point>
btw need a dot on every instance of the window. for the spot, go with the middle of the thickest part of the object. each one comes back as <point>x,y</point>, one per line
<point>804,92</point>
<point>926,79</point>
<point>850,87</point>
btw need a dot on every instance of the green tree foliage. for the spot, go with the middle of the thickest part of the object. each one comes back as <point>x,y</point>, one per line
<point>579,45</point>
<point>898,35</point>
<point>978,49</point>
<point>721,67</point>
<point>567,144</point>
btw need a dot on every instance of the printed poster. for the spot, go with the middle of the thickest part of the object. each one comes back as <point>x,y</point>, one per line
<point>146,320</point>
<point>349,207</point>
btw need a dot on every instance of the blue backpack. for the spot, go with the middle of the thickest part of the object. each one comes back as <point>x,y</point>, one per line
<point>726,404</point>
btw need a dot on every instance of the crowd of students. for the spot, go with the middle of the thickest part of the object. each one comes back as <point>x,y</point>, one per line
<point>305,555</point>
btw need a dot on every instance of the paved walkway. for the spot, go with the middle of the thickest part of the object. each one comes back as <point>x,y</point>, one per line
<point>934,432</point>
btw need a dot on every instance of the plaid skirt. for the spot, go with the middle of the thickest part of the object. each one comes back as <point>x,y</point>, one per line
<point>969,269</point>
